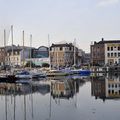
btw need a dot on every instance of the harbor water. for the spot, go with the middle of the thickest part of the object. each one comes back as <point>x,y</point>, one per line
<point>62,98</point>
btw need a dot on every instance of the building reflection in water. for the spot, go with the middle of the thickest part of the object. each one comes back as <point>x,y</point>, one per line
<point>106,87</point>
<point>10,91</point>
<point>65,88</point>
<point>60,87</point>
<point>23,89</point>
<point>15,94</point>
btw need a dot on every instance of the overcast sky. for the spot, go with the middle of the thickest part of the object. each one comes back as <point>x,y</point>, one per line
<point>63,20</point>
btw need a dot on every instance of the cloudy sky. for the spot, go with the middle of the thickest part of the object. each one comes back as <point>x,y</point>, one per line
<point>63,20</point>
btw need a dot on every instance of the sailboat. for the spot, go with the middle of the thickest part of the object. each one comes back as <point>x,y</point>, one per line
<point>8,77</point>
<point>78,71</point>
<point>56,72</point>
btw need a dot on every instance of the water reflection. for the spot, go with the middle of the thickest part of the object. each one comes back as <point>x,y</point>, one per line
<point>16,96</point>
<point>20,98</point>
<point>64,89</point>
<point>57,98</point>
<point>106,86</point>
<point>23,89</point>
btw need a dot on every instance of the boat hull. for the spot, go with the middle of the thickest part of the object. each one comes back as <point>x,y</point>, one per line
<point>8,79</point>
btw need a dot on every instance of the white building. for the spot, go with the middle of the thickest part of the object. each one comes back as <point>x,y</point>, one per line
<point>112,87</point>
<point>16,55</point>
<point>112,52</point>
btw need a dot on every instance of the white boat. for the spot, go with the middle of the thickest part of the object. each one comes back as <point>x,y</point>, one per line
<point>81,72</point>
<point>29,74</point>
<point>37,74</point>
<point>56,73</point>
<point>23,75</point>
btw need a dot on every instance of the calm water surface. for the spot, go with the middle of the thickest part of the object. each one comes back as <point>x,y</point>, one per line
<point>86,98</point>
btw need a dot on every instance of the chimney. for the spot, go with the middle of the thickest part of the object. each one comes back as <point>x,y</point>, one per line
<point>94,42</point>
<point>102,39</point>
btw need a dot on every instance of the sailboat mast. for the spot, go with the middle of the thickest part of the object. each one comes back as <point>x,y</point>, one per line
<point>5,47</point>
<point>74,52</point>
<point>4,38</point>
<point>30,50</point>
<point>23,48</point>
<point>49,51</point>
<point>12,38</point>
<point>12,42</point>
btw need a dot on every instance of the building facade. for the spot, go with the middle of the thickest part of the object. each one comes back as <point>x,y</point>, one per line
<point>39,56</point>
<point>81,55</point>
<point>2,56</point>
<point>17,55</point>
<point>13,58</point>
<point>98,53</point>
<point>112,52</point>
<point>41,52</point>
<point>62,55</point>
<point>105,52</point>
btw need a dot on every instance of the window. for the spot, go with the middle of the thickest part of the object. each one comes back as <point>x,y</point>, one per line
<point>111,54</point>
<point>118,47</point>
<point>116,85</point>
<point>108,54</point>
<point>111,48</point>
<point>112,91</point>
<point>118,54</point>
<point>60,48</point>
<point>108,48</point>
<point>115,54</point>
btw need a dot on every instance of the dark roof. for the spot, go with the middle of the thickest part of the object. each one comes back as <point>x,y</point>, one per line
<point>107,41</point>
<point>62,45</point>
<point>111,41</point>
<point>10,50</point>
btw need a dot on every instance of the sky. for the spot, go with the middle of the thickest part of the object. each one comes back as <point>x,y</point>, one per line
<point>63,20</point>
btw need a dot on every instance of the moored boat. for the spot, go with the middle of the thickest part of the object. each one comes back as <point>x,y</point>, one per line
<point>29,75</point>
<point>23,75</point>
<point>8,78</point>
<point>56,73</point>
<point>81,72</point>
